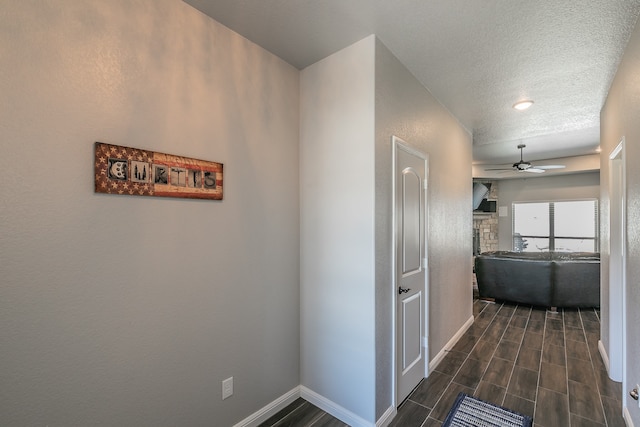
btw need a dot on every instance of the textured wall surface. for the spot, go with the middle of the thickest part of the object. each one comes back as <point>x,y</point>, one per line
<point>406,109</point>
<point>130,311</point>
<point>619,119</point>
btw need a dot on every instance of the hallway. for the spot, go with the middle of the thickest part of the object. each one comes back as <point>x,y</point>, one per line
<point>536,362</point>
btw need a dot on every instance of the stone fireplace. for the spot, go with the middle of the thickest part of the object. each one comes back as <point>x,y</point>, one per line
<point>485,224</point>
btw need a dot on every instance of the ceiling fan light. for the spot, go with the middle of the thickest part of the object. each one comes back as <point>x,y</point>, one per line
<point>523,105</point>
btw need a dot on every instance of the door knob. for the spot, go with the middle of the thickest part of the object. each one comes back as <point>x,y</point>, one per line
<point>634,393</point>
<point>402,290</point>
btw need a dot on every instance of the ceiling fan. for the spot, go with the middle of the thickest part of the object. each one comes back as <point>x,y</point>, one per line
<point>523,166</point>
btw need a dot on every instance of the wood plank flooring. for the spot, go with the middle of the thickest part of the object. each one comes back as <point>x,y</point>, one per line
<point>302,413</point>
<point>539,363</point>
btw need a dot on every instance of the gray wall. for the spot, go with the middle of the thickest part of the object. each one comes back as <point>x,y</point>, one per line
<point>619,118</point>
<point>558,187</point>
<point>130,311</point>
<point>337,229</point>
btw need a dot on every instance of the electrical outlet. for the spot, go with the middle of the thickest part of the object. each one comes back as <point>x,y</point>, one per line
<point>227,388</point>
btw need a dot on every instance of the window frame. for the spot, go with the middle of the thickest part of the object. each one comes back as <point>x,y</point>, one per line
<point>552,237</point>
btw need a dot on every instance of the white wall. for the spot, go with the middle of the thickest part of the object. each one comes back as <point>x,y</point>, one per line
<point>408,110</point>
<point>547,189</point>
<point>619,118</point>
<point>337,228</point>
<point>130,311</point>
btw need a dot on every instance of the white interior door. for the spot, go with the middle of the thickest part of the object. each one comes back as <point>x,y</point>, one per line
<point>409,214</point>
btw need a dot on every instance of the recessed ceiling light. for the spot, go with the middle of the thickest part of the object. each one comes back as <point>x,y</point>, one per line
<point>523,105</point>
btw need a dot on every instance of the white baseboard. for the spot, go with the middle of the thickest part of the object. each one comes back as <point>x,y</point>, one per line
<point>603,355</point>
<point>271,409</point>
<point>436,360</point>
<point>627,417</point>
<point>321,402</point>
<point>334,409</point>
<point>387,417</point>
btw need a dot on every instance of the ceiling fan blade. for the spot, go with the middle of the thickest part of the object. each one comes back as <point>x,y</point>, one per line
<point>534,170</point>
<point>499,169</point>
<point>548,167</point>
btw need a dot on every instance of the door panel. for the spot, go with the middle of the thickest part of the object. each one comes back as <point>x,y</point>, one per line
<point>411,244</point>
<point>412,328</point>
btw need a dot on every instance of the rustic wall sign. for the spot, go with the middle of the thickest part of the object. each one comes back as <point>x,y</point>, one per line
<point>132,171</point>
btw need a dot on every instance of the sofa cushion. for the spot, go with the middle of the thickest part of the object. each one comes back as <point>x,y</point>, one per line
<point>576,283</point>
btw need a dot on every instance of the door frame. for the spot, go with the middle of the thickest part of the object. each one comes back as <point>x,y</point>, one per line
<point>399,144</point>
<point>617,365</point>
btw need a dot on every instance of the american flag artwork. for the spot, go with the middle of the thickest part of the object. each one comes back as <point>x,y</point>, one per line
<point>138,172</point>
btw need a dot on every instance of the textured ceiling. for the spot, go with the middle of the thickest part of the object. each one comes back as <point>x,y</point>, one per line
<point>478,57</point>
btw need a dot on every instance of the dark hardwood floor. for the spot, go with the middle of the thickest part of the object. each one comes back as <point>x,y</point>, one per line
<point>302,413</point>
<point>539,363</point>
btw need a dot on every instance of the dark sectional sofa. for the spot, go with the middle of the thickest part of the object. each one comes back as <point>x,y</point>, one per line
<point>548,279</point>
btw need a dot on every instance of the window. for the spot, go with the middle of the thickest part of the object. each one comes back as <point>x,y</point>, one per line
<point>555,226</point>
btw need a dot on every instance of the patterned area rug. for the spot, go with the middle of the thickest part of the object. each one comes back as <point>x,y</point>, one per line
<point>469,411</point>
